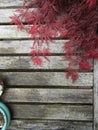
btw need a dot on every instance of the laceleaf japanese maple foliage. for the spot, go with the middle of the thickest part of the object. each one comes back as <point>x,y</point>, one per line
<point>73,19</point>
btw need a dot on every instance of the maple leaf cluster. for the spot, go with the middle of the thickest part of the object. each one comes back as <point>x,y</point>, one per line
<point>73,19</point>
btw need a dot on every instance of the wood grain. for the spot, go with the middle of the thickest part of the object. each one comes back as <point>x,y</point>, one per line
<point>58,112</point>
<point>11,32</point>
<point>24,46</point>
<point>6,14</point>
<point>25,62</point>
<point>45,79</point>
<point>48,125</point>
<point>96,95</point>
<point>10,3</point>
<point>31,95</point>
<point>37,108</point>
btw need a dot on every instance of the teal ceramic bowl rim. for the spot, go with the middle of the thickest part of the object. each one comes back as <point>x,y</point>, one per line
<point>6,115</point>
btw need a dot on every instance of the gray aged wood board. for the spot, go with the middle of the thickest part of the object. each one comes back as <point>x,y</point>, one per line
<point>49,125</point>
<point>46,79</point>
<point>52,111</point>
<point>25,62</point>
<point>96,95</point>
<point>24,46</point>
<point>10,3</point>
<point>6,14</point>
<point>33,95</point>
<point>11,32</point>
<point>21,62</point>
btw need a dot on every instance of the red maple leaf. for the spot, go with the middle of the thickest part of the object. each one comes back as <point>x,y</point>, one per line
<point>57,19</point>
<point>72,73</point>
<point>85,65</point>
<point>37,60</point>
<point>15,20</point>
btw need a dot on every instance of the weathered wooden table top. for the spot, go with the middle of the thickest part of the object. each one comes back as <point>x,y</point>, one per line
<point>41,98</point>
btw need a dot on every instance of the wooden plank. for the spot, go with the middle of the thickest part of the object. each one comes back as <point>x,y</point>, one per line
<point>11,32</point>
<point>45,79</point>
<point>10,3</point>
<point>24,46</point>
<point>6,14</point>
<point>95,95</point>
<point>58,112</point>
<point>25,62</point>
<point>48,125</point>
<point>29,95</point>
